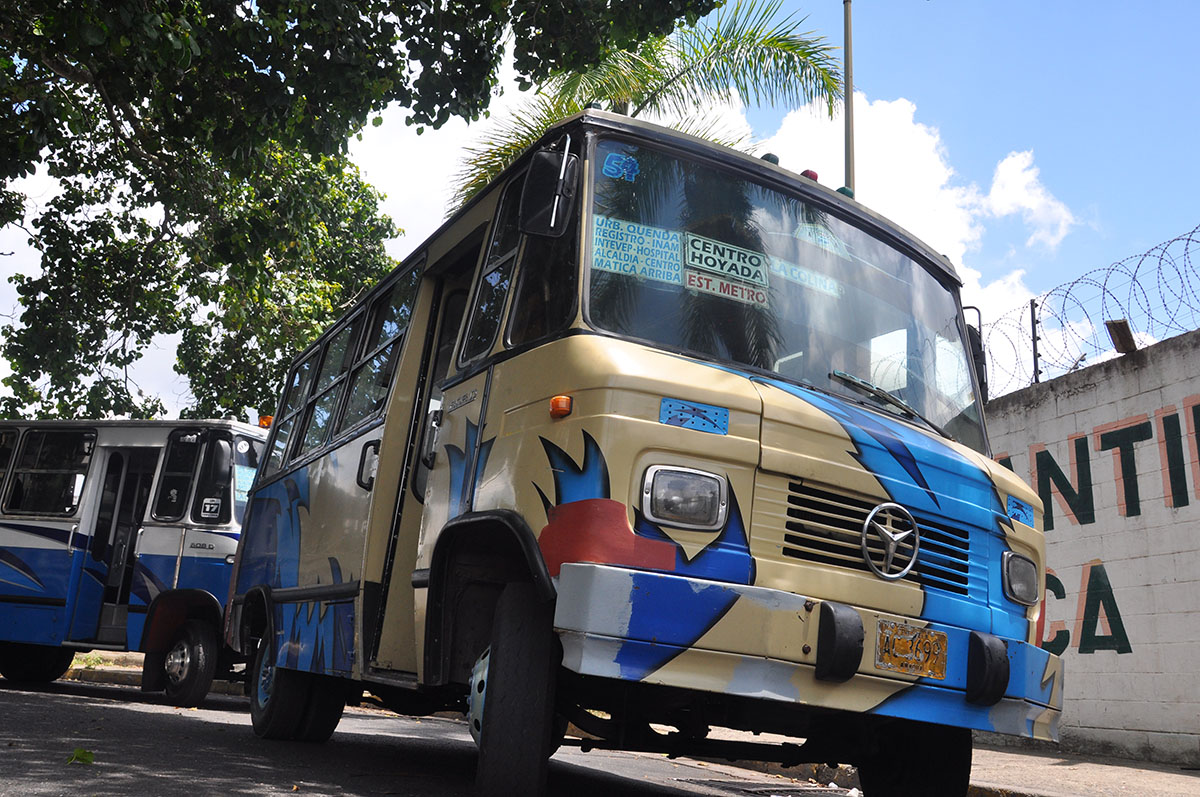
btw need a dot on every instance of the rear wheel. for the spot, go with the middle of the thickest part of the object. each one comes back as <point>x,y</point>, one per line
<point>914,759</point>
<point>517,716</point>
<point>289,704</point>
<point>34,664</point>
<point>277,698</point>
<point>191,663</point>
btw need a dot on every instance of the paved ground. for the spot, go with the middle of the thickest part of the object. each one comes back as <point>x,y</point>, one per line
<point>997,772</point>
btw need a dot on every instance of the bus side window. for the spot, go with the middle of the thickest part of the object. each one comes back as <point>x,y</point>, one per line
<point>372,374</point>
<point>545,299</point>
<point>338,354</point>
<point>212,503</point>
<point>178,466</point>
<point>492,289</point>
<point>49,473</point>
<point>8,442</point>
<point>293,401</point>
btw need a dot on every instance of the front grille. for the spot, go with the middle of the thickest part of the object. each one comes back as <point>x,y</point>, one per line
<point>826,527</point>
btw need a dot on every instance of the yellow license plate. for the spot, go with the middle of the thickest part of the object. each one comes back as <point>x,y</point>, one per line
<point>911,650</point>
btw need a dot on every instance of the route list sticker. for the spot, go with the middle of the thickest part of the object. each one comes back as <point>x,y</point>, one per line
<point>639,250</point>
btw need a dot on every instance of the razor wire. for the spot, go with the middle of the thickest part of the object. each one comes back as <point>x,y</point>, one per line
<point>1157,292</point>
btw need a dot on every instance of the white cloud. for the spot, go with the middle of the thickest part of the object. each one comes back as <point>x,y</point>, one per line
<point>1016,188</point>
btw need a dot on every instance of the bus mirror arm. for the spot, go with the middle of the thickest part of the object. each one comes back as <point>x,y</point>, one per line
<point>429,451</point>
<point>548,195</point>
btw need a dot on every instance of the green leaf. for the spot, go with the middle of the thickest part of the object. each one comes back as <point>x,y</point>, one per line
<point>82,756</point>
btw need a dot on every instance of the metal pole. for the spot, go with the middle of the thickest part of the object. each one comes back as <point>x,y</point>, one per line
<point>1033,324</point>
<point>848,83</point>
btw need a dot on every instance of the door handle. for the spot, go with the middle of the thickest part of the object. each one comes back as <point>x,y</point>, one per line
<point>369,482</point>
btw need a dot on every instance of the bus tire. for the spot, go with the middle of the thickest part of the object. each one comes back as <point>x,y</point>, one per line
<point>191,663</point>
<point>917,758</point>
<point>277,695</point>
<point>323,711</point>
<point>34,664</point>
<point>518,711</point>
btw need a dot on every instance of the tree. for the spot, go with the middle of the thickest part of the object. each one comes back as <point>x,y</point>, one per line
<point>279,257</point>
<point>170,125</point>
<point>745,47</point>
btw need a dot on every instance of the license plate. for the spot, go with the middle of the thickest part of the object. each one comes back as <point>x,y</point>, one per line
<point>911,650</point>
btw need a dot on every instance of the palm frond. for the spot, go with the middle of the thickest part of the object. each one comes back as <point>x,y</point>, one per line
<point>504,140</point>
<point>769,62</point>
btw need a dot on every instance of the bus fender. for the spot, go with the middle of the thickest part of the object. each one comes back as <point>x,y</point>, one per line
<point>165,616</point>
<point>475,556</point>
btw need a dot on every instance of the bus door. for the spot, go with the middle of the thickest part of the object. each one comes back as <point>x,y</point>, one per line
<point>112,550</point>
<point>452,448</point>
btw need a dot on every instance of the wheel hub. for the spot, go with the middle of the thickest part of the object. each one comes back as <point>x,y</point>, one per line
<point>477,695</point>
<point>178,663</point>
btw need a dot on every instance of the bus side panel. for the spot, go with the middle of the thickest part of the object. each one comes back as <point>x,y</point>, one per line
<point>315,636</point>
<point>35,580</point>
<point>87,591</point>
<point>304,530</point>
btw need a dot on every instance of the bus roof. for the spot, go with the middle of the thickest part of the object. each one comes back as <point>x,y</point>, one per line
<point>187,423</point>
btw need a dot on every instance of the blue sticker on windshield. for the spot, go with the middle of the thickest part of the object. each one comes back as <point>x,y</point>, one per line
<point>690,415</point>
<point>620,166</point>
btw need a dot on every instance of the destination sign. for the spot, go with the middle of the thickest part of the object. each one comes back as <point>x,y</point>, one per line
<point>638,250</point>
<point>725,259</point>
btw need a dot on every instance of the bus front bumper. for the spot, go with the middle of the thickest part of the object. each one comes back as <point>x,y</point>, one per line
<point>763,643</point>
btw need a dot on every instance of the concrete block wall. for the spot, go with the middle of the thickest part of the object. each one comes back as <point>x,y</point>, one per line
<point>1114,452</point>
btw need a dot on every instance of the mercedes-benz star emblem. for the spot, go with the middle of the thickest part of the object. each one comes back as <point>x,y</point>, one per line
<point>892,525</point>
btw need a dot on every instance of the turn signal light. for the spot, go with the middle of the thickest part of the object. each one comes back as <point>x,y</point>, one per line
<point>264,421</point>
<point>560,406</point>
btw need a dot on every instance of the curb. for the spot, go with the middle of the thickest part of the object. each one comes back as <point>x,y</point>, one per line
<point>130,676</point>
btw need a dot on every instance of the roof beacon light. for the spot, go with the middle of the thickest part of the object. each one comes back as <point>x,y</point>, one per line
<point>810,174</point>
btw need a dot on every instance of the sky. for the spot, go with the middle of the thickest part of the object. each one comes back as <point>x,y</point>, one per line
<point>1031,142</point>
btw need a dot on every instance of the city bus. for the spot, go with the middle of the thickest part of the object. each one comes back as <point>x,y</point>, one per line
<point>120,536</point>
<point>651,437</point>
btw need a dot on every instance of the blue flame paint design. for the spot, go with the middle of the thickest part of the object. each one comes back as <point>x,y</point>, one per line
<point>462,490</point>
<point>672,611</point>
<point>576,482</point>
<point>676,612</point>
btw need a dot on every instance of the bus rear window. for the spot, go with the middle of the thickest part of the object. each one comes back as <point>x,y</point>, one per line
<point>49,473</point>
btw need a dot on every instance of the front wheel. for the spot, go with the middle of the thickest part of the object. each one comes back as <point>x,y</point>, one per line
<point>34,664</point>
<point>191,663</point>
<point>914,759</point>
<point>517,712</point>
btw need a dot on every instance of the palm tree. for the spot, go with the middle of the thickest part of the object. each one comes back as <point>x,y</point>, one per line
<point>743,48</point>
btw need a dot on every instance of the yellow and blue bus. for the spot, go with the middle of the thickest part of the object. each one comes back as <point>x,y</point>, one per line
<point>120,536</point>
<point>651,435</point>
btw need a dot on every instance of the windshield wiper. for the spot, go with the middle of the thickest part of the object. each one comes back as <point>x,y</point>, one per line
<point>876,391</point>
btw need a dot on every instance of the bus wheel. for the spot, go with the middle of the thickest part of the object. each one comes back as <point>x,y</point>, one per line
<point>34,664</point>
<point>277,696</point>
<point>326,702</point>
<point>517,715</point>
<point>917,758</point>
<point>190,663</point>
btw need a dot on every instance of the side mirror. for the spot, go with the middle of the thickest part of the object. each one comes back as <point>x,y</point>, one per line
<point>548,195</point>
<point>220,463</point>
<point>979,358</point>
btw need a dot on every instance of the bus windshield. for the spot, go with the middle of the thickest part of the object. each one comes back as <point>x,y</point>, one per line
<point>693,258</point>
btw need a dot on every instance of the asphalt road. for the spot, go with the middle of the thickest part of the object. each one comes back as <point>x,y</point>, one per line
<point>140,746</point>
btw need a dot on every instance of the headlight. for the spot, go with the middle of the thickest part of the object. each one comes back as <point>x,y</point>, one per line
<point>1020,579</point>
<point>685,498</point>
